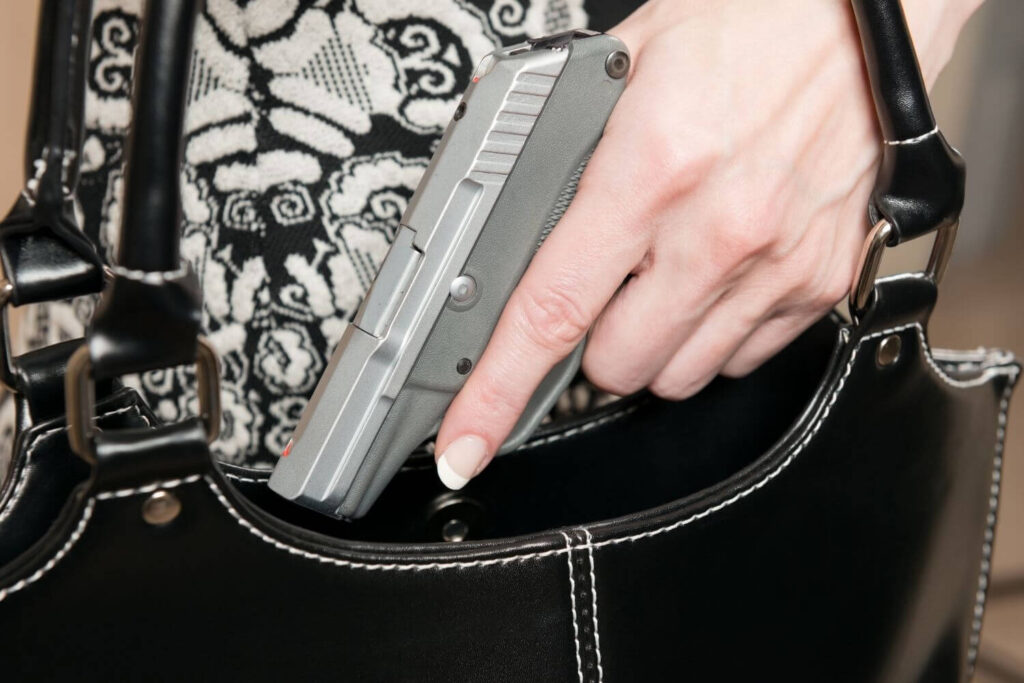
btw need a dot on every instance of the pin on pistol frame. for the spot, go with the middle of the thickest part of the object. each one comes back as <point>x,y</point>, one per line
<point>501,178</point>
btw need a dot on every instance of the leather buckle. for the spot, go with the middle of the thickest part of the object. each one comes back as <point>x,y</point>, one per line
<point>871,257</point>
<point>80,393</point>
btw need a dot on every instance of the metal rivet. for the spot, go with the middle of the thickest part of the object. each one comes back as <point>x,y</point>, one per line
<point>161,507</point>
<point>463,289</point>
<point>889,350</point>
<point>617,64</point>
<point>455,530</point>
<point>460,111</point>
<point>464,366</point>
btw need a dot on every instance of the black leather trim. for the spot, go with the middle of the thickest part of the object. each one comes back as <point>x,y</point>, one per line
<point>144,322</point>
<point>920,184</point>
<point>919,188</point>
<point>44,472</point>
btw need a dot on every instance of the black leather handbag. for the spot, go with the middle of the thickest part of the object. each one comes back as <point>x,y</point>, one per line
<point>827,518</point>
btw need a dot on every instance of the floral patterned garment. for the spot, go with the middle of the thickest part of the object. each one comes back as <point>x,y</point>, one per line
<point>309,125</point>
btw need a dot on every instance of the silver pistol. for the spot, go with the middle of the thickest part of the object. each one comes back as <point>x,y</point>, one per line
<point>501,178</point>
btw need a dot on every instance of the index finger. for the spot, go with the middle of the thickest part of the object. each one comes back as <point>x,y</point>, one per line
<point>570,280</point>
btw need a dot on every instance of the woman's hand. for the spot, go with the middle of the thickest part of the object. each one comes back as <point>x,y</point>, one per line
<point>729,188</point>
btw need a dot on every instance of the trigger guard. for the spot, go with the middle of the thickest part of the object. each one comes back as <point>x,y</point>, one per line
<point>543,400</point>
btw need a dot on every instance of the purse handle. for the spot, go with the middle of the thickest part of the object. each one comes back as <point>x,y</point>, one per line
<point>54,143</point>
<point>149,314</point>
<point>43,251</point>
<point>919,190</point>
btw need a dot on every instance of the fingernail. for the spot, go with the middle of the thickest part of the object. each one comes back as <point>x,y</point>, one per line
<point>460,461</point>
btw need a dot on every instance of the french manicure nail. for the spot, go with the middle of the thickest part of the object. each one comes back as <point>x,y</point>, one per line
<point>461,460</point>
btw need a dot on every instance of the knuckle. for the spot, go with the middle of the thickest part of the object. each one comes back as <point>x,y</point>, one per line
<point>744,235</point>
<point>492,399</point>
<point>673,388</point>
<point>741,366</point>
<point>672,163</point>
<point>607,376</point>
<point>552,319</point>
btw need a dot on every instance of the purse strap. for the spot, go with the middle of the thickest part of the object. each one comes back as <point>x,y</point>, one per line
<point>149,316</point>
<point>919,188</point>
<point>44,253</point>
<point>45,209</point>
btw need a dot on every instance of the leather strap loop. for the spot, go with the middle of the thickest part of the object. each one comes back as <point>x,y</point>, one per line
<point>920,184</point>
<point>130,456</point>
<point>39,263</point>
<point>142,324</point>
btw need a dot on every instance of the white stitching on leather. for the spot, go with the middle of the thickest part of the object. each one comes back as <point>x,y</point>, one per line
<point>151,277</point>
<point>390,566</point>
<point>252,480</point>
<point>914,140</point>
<point>510,559</point>
<point>84,521</point>
<point>19,486</point>
<point>1009,371</point>
<point>986,374</point>
<point>578,429</point>
<point>593,595</point>
<point>148,488</point>
<point>52,562</point>
<point>990,523</point>
<point>572,606</point>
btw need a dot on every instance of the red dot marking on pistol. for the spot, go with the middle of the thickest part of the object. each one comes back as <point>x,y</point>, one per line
<point>287,449</point>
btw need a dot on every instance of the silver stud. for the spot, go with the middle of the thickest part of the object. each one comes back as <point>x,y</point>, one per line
<point>161,507</point>
<point>463,289</point>
<point>617,64</point>
<point>889,350</point>
<point>455,530</point>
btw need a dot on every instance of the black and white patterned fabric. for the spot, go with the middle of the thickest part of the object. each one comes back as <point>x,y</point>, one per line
<point>309,125</point>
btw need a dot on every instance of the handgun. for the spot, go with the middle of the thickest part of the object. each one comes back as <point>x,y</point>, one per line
<point>504,172</point>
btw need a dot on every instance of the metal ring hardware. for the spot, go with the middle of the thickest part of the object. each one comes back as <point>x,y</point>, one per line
<point>80,393</point>
<point>6,353</point>
<point>871,257</point>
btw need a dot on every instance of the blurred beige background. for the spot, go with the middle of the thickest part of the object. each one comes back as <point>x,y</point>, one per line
<point>979,102</point>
